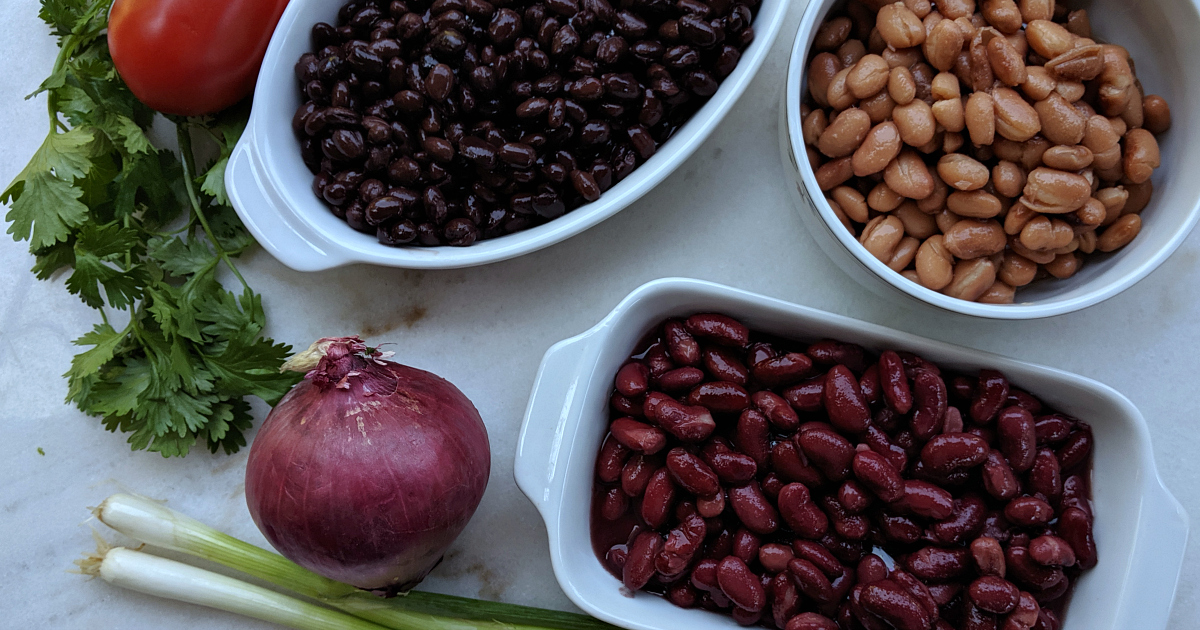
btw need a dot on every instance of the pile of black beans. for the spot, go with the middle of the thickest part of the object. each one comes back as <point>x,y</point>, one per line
<point>452,121</point>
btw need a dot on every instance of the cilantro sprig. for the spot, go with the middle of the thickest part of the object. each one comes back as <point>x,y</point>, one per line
<point>141,235</point>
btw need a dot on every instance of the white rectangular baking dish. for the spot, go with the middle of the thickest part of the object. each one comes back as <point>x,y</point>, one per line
<point>271,189</point>
<point>1141,530</point>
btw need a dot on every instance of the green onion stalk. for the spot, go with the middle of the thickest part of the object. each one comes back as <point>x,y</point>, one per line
<point>150,522</point>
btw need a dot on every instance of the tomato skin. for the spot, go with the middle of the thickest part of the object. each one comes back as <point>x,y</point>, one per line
<point>191,57</point>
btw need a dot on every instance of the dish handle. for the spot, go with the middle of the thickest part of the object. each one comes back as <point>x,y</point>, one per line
<point>1158,557</point>
<point>540,454</point>
<point>267,215</point>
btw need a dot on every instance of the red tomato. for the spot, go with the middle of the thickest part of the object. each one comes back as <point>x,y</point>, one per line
<point>191,57</point>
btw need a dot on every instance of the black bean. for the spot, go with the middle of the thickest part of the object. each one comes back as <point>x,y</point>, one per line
<point>424,120</point>
<point>397,233</point>
<point>585,185</point>
<point>478,151</point>
<point>461,232</point>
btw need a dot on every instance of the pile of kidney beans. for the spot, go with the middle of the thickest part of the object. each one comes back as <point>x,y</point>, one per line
<point>777,483</point>
<point>451,121</point>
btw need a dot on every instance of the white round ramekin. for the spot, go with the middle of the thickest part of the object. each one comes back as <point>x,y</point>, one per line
<point>1141,530</point>
<point>1161,37</point>
<point>272,189</point>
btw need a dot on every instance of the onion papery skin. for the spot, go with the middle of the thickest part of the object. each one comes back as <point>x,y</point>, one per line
<point>368,470</point>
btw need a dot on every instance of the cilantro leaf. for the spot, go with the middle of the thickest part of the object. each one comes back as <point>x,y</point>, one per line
<point>99,200</point>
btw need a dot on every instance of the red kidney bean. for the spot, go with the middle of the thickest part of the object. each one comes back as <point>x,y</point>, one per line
<point>811,580</point>
<point>1075,527</point>
<point>918,590</point>
<point>1025,571</point>
<point>943,594</point>
<point>752,436</point>
<point>847,551</point>
<point>627,406</point>
<point>632,379</point>
<point>1047,620</point>
<point>745,617</point>
<point>638,436</point>
<point>740,585</point>
<point>681,344</point>
<point>807,395</point>
<point>781,371</point>
<point>871,568</point>
<point>948,452</point>
<point>1051,429</point>
<point>878,475</point>
<point>860,616</point>
<point>724,365</point>
<point>636,474</point>
<point>611,460</point>
<point>1018,442</point>
<point>1025,615</point>
<point>791,465</point>
<point>658,499</point>
<point>683,595</point>
<point>639,566</point>
<point>800,514</point>
<point>704,575</point>
<point>936,563</point>
<point>953,422</point>
<point>964,524</point>
<point>616,556</point>
<point>994,594</point>
<point>854,498</point>
<point>711,507</point>
<point>925,499</point>
<point>894,382</point>
<point>1075,494</point>
<point>870,386</point>
<point>720,329</point>
<point>879,442</point>
<point>691,473</point>
<point>829,452</point>
<point>810,621</point>
<point>962,389</point>
<point>930,400</point>
<point>755,512</point>
<point>1051,551</point>
<point>996,526</point>
<point>731,467</point>
<point>785,599</point>
<point>682,544</point>
<point>681,379</point>
<point>1028,511</point>
<point>976,619</point>
<point>616,503</point>
<point>688,423</point>
<point>998,477</point>
<point>720,397</point>
<point>832,352</point>
<point>746,544</point>
<point>658,361</point>
<point>898,529</point>
<point>1045,477</point>
<point>777,410</point>
<point>844,401</point>
<point>1074,452</point>
<point>988,556</point>
<point>774,557</point>
<point>1023,399</point>
<point>848,526</point>
<point>819,556</point>
<point>1054,592</point>
<point>989,396</point>
<point>888,601</point>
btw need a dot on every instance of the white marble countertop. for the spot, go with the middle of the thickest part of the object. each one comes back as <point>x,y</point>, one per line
<point>725,216</point>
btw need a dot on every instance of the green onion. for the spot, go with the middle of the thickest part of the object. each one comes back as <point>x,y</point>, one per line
<point>157,576</point>
<point>153,523</point>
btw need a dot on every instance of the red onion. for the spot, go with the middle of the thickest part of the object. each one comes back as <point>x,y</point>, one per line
<point>367,470</point>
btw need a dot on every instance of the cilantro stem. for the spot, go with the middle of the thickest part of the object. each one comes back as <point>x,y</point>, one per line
<point>67,50</point>
<point>189,178</point>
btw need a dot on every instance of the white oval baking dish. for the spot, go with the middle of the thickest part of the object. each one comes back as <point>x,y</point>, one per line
<point>271,189</point>
<point>1161,37</point>
<point>1140,529</point>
